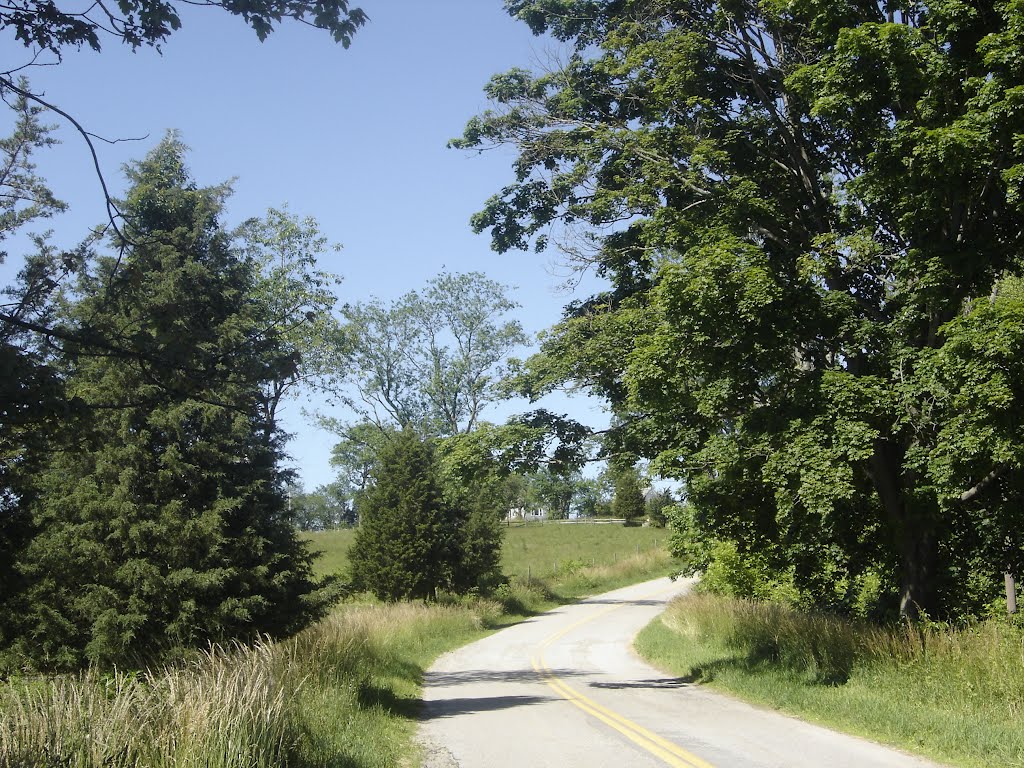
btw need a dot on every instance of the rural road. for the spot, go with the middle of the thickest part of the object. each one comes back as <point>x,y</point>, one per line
<point>565,689</point>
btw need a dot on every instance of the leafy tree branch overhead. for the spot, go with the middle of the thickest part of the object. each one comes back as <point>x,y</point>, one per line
<point>47,31</point>
<point>810,216</point>
<point>41,25</point>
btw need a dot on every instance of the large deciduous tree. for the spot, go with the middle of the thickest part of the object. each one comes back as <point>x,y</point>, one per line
<point>808,214</point>
<point>43,25</point>
<point>433,358</point>
<point>161,518</point>
<point>297,297</point>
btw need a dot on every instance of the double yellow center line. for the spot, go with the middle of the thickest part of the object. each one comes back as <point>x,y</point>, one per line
<point>661,748</point>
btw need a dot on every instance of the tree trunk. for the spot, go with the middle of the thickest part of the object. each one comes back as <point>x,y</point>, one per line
<point>1011,594</point>
<point>912,532</point>
<point>917,568</point>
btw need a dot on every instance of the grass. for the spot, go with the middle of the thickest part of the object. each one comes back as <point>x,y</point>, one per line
<point>955,695</point>
<point>546,549</point>
<point>539,549</point>
<point>342,694</point>
<point>331,548</point>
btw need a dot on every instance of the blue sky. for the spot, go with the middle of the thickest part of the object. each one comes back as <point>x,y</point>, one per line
<point>355,138</point>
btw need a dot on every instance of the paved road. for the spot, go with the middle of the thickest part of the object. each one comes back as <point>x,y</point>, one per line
<point>565,689</point>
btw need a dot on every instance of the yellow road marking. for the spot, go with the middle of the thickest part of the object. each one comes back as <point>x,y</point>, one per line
<point>670,753</point>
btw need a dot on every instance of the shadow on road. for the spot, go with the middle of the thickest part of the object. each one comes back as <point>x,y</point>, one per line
<point>494,676</point>
<point>440,708</point>
<point>657,683</point>
<point>622,602</point>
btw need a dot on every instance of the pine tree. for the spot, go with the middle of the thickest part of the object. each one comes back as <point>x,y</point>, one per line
<point>163,523</point>
<point>407,545</point>
<point>628,502</point>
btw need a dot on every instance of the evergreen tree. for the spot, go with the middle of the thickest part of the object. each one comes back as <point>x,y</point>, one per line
<point>407,545</point>
<point>31,396</point>
<point>163,521</point>
<point>655,507</point>
<point>628,502</point>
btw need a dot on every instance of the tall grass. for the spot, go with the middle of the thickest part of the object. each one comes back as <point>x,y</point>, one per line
<point>341,694</point>
<point>224,708</point>
<point>956,694</point>
<point>327,697</point>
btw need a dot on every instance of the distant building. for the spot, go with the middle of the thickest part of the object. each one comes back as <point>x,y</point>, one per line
<point>526,515</point>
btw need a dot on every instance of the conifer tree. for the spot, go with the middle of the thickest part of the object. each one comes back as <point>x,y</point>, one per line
<point>407,545</point>
<point>162,522</point>
<point>628,502</point>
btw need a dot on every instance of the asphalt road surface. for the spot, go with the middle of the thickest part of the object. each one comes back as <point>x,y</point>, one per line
<point>565,689</point>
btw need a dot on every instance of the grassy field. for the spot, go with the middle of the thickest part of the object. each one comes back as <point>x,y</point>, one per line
<point>954,695</point>
<point>542,550</point>
<point>332,547</point>
<point>342,694</point>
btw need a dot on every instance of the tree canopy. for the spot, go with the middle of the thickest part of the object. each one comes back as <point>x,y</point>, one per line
<point>433,358</point>
<point>810,218</point>
<point>41,24</point>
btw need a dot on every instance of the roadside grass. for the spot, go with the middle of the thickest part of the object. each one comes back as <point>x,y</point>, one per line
<point>341,694</point>
<point>955,695</point>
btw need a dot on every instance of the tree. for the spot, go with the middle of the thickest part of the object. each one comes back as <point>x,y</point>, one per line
<point>47,31</point>
<point>161,517</point>
<point>553,490</point>
<point>628,501</point>
<point>297,297</point>
<point>802,210</point>
<point>139,23</point>
<point>431,359</point>
<point>325,508</point>
<point>655,506</point>
<point>31,391</point>
<point>407,544</point>
<point>593,498</point>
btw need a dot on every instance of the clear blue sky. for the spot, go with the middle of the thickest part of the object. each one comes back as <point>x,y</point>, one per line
<point>355,138</point>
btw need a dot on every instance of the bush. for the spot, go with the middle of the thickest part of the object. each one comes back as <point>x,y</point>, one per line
<point>731,573</point>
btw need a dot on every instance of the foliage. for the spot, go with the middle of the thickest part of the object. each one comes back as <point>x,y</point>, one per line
<point>353,456</point>
<point>412,541</point>
<point>431,359</point>
<point>41,25</point>
<point>31,393</point>
<point>552,491</point>
<point>320,510</point>
<point>593,497</point>
<point>161,519</point>
<point>655,506</point>
<point>296,297</point>
<point>26,196</point>
<point>807,213</point>
<point>628,501</point>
